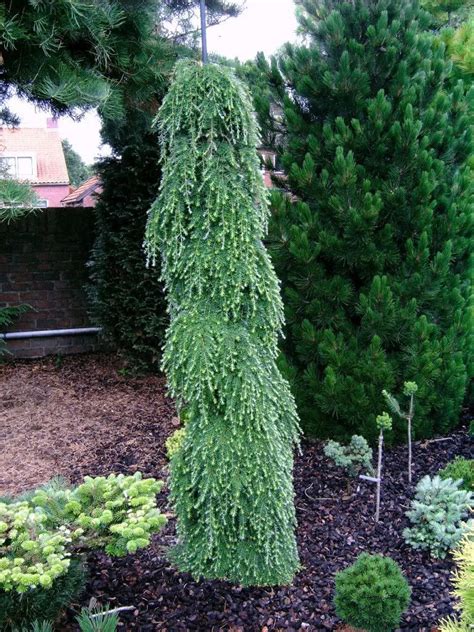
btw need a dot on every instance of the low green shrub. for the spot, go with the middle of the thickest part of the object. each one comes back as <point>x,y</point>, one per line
<point>43,533</point>
<point>354,458</point>
<point>18,608</point>
<point>463,588</point>
<point>436,515</point>
<point>460,469</point>
<point>372,593</point>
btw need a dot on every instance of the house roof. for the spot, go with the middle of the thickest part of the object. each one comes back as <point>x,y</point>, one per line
<point>44,145</point>
<point>82,191</point>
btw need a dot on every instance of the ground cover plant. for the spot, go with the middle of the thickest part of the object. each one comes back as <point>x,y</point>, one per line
<point>231,481</point>
<point>371,233</point>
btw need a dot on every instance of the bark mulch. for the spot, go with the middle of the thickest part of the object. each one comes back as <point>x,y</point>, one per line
<point>84,417</point>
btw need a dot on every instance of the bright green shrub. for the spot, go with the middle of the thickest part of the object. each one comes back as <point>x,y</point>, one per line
<point>41,534</point>
<point>174,442</point>
<point>463,587</point>
<point>18,609</point>
<point>354,458</point>
<point>231,483</point>
<point>460,469</point>
<point>372,593</point>
<point>436,515</point>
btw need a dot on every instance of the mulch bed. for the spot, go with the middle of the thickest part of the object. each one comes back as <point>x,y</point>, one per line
<point>86,418</point>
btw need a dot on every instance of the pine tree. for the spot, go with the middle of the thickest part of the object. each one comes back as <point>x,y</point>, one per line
<point>372,248</point>
<point>231,481</point>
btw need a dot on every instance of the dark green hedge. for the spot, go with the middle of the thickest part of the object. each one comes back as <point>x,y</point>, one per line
<point>127,298</point>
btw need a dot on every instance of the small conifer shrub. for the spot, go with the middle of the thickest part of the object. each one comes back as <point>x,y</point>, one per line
<point>44,534</point>
<point>231,482</point>
<point>460,469</point>
<point>409,390</point>
<point>372,594</point>
<point>354,458</point>
<point>20,609</point>
<point>437,515</point>
<point>463,580</point>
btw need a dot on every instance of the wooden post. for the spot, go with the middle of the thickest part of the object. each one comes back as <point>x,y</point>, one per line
<point>203,31</point>
<point>379,477</point>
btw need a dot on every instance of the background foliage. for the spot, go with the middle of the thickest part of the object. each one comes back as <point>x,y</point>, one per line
<point>371,235</point>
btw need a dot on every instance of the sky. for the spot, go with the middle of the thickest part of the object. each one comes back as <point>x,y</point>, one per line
<point>264,25</point>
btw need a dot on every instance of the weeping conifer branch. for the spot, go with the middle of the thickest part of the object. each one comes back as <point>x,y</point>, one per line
<point>231,482</point>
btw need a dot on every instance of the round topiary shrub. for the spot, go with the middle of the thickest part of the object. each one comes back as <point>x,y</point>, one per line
<point>372,593</point>
<point>22,609</point>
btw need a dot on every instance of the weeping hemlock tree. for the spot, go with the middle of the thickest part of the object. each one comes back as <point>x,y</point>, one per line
<point>372,249</point>
<point>231,482</point>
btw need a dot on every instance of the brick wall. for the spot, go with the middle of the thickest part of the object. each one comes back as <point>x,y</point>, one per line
<point>43,264</point>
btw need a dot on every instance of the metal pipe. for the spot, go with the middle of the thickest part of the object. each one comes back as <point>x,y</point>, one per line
<point>203,31</point>
<point>49,333</point>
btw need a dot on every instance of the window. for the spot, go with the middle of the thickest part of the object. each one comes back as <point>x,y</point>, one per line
<point>8,166</point>
<point>24,166</point>
<point>41,203</point>
<point>21,166</point>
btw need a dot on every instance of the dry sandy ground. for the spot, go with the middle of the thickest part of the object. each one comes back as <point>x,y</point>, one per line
<point>67,418</point>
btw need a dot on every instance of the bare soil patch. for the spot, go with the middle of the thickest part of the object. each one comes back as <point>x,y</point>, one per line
<point>78,416</point>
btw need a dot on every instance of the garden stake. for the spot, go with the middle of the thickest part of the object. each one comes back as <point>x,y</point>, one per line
<point>384,422</point>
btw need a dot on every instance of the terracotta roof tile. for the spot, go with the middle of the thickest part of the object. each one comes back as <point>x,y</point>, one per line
<point>45,145</point>
<point>82,191</point>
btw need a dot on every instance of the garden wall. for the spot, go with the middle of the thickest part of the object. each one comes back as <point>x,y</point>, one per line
<point>43,264</point>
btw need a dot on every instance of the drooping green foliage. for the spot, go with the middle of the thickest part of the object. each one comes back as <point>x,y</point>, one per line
<point>231,481</point>
<point>372,244</point>
<point>372,594</point>
<point>438,515</point>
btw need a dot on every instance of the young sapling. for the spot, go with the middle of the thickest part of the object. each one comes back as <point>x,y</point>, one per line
<point>409,389</point>
<point>353,458</point>
<point>384,422</point>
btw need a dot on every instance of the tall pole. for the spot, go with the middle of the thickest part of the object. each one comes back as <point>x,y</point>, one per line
<point>203,31</point>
